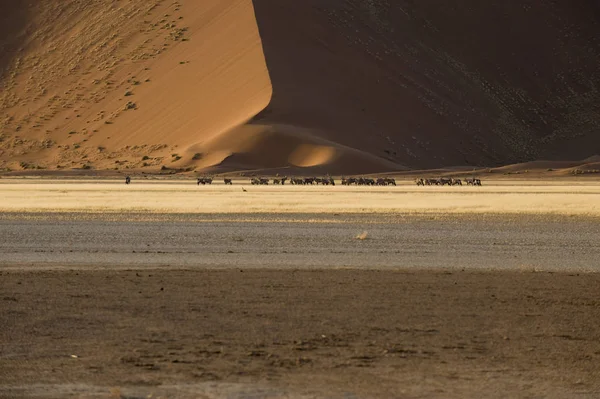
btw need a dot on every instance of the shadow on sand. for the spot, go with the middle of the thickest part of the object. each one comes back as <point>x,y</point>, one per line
<point>13,19</point>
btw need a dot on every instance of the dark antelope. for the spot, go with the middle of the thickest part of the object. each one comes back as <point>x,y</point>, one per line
<point>259,181</point>
<point>204,180</point>
<point>473,182</point>
<point>386,182</point>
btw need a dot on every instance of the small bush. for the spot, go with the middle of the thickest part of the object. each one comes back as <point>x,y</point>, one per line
<point>145,158</point>
<point>197,156</point>
<point>362,236</point>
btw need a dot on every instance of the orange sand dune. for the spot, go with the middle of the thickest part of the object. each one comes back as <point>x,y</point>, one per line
<point>127,84</point>
<point>149,86</point>
<point>330,87</point>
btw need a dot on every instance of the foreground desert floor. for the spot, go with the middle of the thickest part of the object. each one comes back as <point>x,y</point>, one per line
<point>239,333</point>
<point>149,300</point>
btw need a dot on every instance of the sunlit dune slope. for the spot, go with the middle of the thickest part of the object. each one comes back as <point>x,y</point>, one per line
<point>114,84</point>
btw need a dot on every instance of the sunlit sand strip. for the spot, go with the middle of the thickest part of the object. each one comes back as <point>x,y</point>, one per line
<point>32,197</point>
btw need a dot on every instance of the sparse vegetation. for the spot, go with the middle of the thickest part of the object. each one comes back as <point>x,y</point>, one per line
<point>585,172</point>
<point>362,236</point>
<point>197,156</point>
<point>128,93</point>
<point>29,166</point>
<point>145,158</point>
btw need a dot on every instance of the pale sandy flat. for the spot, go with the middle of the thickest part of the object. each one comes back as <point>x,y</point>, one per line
<point>516,197</point>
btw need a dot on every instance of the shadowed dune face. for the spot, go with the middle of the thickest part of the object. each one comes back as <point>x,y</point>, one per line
<point>428,84</point>
<point>13,19</point>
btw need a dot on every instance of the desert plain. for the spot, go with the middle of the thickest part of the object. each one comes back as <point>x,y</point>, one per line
<point>168,289</point>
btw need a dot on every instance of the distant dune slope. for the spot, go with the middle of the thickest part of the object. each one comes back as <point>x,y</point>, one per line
<point>336,86</point>
<point>433,83</point>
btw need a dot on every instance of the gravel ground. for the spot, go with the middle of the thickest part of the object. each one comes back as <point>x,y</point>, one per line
<point>299,241</point>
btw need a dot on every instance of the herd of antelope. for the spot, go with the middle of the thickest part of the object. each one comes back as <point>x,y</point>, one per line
<point>357,181</point>
<point>447,182</point>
